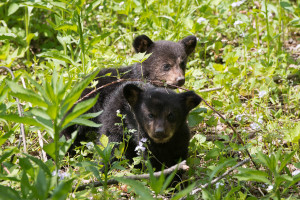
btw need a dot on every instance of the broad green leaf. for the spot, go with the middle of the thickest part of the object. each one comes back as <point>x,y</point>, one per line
<point>104,140</point>
<point>79,109</point>
<point>253,175</point>
<point>91,115</point>
<point>57,55</point>
<point>221,166</point>
<point>184,192</point>
<point>13,8</point>
<point>95,171</point>
<point>82,121</point>
<point>137,187</point>
<point>8,193</point>
<point>4,137</point>
<point>65,27</point>
<point>219,67</point>
<point>39,88</point>
<point>6,155</point>
<point>264,159</point>
<point>40,163</point>
<point>7,36</point>
<point>287,159</point>
<point>62,191</point>
<point>25,94</point>
<point>41,185</point>
<point>50,150</point>
<point>18,119</point>
<point>76,91</point>
<point>25,185</point>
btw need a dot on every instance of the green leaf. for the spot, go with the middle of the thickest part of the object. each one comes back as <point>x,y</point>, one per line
<point>50,150</point>
<point>76,91</point>
<point>4,137</point>
<point>25,94</point>
<point>12,8</point>
<point>91,115</point>
<point>41,185</point>
<point>104,140</point>
<point>57,55</point>
<point>25,185</point>
<point>62,191</point>
<point>8,193</point>
<point>7,36</point>
<point>137,187</point>
<point>79,109</point>
<point>66,27</point>
<point>253,175</point>
<point>82,121</point>
<point>219,67</point>
<point>184,192</point>
<point>287,159</point>
<point>18,119</point>
<point>39,163</point>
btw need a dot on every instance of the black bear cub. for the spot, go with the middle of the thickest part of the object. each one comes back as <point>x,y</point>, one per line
<point>166,64</point>
<point>157,114</point>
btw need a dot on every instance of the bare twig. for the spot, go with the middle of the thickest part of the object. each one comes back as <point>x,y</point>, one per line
<point>179,166</point>
<point>20,111</point>
<point>211,89</point>
<point>199,189</point>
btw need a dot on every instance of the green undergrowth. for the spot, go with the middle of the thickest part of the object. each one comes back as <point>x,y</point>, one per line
<point>247,51</point>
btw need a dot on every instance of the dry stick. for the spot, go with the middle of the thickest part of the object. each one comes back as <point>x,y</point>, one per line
<point>179,166</point>
<point>197,190</point>
<point>20,114</point>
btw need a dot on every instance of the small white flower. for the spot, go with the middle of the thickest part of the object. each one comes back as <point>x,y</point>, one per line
<point>121,3</point>
<point>136,19</point>
<point>270,188</point>
<point>262,93</point>
<point>297,47</point>
<point>296,172</point>
<point>260,120</point>
<point>155,32</point>
<point>239,117</point>
<point>237,4</point>
<point>61,174</point>
<point>242,34</point>
<point>98,16</point>
<point>255,126</point>
<point>218,184</point>
<point>260,51</point>
<point>118,111</point>
<point>87,5</point>
<point>237,22</point>
<point>200,20</point>
<point>143,140</point>
<point>101,7</point>
<point>89,145</point>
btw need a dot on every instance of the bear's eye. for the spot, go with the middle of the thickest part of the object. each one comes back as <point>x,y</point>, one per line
<point>167,67</point>
<point>171,117</point>
<point>150,116</point>
<point>182,65</point>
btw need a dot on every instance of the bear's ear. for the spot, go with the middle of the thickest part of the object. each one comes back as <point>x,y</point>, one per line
<point>191,100</point>
<point>131,93</point>
<point>142,43</point>
<point>189,44</point>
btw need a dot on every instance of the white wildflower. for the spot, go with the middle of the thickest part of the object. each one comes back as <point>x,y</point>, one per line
<point>61,174</point>
<point>136,19</point>
<point>237,4</point>
<point>296,172</point>
<point>262,93</point>
<point>237,22</point>
<point>218,184</point>
<point>101,7</point>
<point>87,5</point>
<point>297,47</point>
<point>155,32</point>
<point>200,20</point>
<point>118,112</point>
<point>121,3</point>
<point>270,188</point>
<point>98,17</point>
<point>260,120</point>
<point>143,140</point>
<point>239,117</point>
<point>90,145</point>
<point>140,148</point>
<point>242,34</point>
<point>255,126</point>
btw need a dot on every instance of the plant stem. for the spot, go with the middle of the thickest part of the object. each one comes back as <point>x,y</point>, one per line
<point>27,33</point>
<point>81,42</point>
<point>257,30</point>
<point>268,31</point>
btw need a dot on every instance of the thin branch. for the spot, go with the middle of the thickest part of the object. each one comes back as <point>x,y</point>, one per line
<point>197,190</point>
<point>20,111</point>
<point>179,166</point>
<point>211,89</point>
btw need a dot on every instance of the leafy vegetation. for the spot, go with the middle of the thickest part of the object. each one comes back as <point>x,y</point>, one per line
<point>249,48</point>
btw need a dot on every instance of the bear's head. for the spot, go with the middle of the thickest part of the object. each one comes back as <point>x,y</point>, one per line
<point>160,112</point>
<point>168,59</point>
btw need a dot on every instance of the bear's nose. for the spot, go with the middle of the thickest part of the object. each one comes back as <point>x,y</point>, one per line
<point>180,81</point>
<point>159,131</point>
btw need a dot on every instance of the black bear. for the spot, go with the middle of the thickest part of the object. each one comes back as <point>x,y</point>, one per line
<point>166,64</point>
<point>156,114</point>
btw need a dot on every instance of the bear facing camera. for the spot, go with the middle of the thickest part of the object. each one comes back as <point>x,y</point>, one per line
<point>157,115</point>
